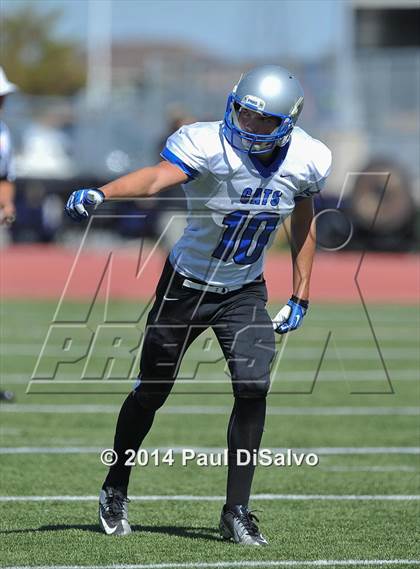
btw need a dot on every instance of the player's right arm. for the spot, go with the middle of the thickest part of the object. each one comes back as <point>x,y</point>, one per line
<point>145,182</point>
<point>142,183</point>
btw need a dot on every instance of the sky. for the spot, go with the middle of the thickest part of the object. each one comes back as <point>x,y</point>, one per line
<point>230,28</point>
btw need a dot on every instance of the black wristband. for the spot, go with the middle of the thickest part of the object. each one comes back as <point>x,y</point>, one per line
<point>300,301</point>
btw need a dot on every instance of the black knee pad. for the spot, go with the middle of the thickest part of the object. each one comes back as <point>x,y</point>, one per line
<point>251,380</point>
<point>251,388</point>
<point>150,401</point>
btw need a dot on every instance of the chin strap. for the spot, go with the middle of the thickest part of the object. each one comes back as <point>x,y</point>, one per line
<point>285,140</point>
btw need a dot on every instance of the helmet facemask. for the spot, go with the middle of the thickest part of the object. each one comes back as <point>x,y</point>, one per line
<point>252,143</point>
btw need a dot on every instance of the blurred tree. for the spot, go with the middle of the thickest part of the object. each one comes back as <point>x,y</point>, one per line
<point>34,58</point>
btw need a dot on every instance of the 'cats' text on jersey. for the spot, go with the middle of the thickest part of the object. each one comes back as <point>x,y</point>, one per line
<point>261,196</point>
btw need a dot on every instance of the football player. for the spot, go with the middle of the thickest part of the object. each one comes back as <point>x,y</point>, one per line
<point>7,179</point>
<point>242,177</point>
<point>7,173</point>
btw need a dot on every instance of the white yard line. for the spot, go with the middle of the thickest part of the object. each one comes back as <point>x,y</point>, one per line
<point>327,451</point>
<point>391,333</point>
<point>15,330</point>
<point>194,498</point>
<point>359,318</point>
<point>211,410</point>
<point>304,352</point>
<point>50,450</point>
<point>238,564</point>
<point>369,468</point>
<point>370,353</point>
<point>410,374</point>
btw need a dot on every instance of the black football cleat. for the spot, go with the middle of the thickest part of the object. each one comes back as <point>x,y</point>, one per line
<point>113,512</point>
<point>7,396</point>
<point>237,524</point>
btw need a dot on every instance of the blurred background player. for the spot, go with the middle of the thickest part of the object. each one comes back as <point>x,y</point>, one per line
<point>7,179</point>
<point>7,174</point>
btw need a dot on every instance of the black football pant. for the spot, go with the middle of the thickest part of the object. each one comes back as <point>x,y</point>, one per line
<point>244,331</point>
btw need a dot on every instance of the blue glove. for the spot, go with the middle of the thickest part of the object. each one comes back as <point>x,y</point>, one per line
<point>290,316</point>
<point>75,206</point>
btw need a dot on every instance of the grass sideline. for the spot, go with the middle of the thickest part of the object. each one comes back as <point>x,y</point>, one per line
<point>65,533</point>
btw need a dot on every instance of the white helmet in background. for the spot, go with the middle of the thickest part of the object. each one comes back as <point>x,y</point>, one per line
<point>6,87</point>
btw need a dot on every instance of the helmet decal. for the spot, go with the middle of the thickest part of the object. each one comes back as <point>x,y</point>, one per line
<point>253,102</point>
<point>296,107</point>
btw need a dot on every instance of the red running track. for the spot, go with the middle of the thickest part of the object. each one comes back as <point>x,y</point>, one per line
<point>44,272</point>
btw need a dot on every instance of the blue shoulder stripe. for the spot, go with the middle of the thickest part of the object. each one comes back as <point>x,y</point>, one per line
<point>173,158</point>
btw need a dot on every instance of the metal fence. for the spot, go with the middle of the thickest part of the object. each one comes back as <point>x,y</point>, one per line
<point>67,142</point>
<point>126,132</point>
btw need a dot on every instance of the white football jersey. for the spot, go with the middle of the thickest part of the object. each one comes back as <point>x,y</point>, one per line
<point>235,204</point>
<point>7,170</point>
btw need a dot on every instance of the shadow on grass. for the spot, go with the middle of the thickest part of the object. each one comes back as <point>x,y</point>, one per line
<point>209,534</point>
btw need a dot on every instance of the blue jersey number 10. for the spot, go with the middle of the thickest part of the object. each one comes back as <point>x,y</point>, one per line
<point>239,235</point>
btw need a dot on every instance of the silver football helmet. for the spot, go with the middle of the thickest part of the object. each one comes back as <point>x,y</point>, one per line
<point>269,90</point>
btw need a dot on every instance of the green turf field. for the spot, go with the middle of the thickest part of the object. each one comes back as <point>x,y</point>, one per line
<point>330,394</point>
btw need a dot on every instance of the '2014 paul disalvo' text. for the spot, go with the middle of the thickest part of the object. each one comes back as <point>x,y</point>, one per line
<point>189,456</point>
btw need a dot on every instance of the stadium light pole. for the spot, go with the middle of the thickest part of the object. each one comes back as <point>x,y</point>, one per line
<point>346,89</point>
<point>99,43</point>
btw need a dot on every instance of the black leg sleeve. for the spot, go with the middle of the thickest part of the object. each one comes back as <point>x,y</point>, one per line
<point>245,430</point>
<point>134,422</point>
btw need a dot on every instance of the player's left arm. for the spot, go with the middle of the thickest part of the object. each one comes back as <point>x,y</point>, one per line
<point>302,244</point>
